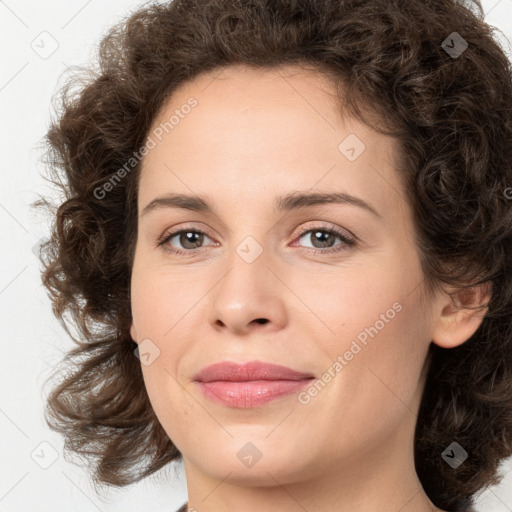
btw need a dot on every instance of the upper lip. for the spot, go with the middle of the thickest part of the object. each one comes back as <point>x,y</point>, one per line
<point>252,370</point>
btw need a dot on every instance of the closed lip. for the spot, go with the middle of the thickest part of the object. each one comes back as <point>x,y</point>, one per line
<point>250,371</point>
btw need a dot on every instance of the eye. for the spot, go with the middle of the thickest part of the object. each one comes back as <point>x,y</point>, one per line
<point>322,239</point>
<point>190,239</point>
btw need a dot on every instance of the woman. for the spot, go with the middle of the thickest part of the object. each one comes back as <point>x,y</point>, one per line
<point>287,247</point>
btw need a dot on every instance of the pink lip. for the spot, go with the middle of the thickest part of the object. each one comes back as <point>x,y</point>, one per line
<point>249,385</point>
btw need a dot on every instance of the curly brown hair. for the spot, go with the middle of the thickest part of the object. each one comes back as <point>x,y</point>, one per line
<point>395,66</point>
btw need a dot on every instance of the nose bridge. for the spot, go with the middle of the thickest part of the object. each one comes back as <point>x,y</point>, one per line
<point>247,293</point>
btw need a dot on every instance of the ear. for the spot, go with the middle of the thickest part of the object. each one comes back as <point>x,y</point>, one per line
<point>460,314</point>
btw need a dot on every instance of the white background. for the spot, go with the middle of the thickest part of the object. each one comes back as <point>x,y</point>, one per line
<point>34,341</point>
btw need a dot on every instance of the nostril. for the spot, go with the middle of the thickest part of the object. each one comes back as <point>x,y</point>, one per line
<point>261,320</point>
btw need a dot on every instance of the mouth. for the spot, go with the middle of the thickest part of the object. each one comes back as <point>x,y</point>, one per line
<point>250,394</point>
<point>249,385</point>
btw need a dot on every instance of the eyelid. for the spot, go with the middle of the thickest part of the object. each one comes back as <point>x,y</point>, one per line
<point>321,225</point>
<point>348,238</point>
<point>172,232</point>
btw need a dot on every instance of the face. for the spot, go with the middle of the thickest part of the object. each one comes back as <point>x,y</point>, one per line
<point>330,289</point>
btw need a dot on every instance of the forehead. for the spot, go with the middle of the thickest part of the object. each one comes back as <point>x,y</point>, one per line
<point>255,132</point>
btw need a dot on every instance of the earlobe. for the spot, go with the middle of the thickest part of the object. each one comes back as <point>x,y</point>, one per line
<point>461,314</point>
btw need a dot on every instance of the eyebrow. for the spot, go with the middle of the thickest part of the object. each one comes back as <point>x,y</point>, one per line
<point>292,201</point>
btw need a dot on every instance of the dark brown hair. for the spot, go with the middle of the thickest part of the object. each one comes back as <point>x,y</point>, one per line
<point>451,115</point>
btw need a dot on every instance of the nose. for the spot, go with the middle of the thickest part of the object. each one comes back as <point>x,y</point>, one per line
<point>248,297</point>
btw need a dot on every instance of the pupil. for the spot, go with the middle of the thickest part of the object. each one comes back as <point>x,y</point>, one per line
<point>325,236</point>
<point>189,238</point>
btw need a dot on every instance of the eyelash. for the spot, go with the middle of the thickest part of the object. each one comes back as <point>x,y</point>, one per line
<point>347,241</point>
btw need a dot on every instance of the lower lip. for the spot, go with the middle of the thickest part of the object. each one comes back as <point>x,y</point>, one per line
<point>249,394</point>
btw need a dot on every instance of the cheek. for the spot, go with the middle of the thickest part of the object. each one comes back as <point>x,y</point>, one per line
<point>359,304</point>
<point>162,302</point>
<point>376,305</point>
<point>374,339</point>
<point>154,315</point>
<point>175,410</point>
<point>383,356</point>
<point>377,369</point>
<point>162,297</point>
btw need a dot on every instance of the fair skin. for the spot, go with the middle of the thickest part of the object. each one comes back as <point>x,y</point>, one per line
<point>255,136</point>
